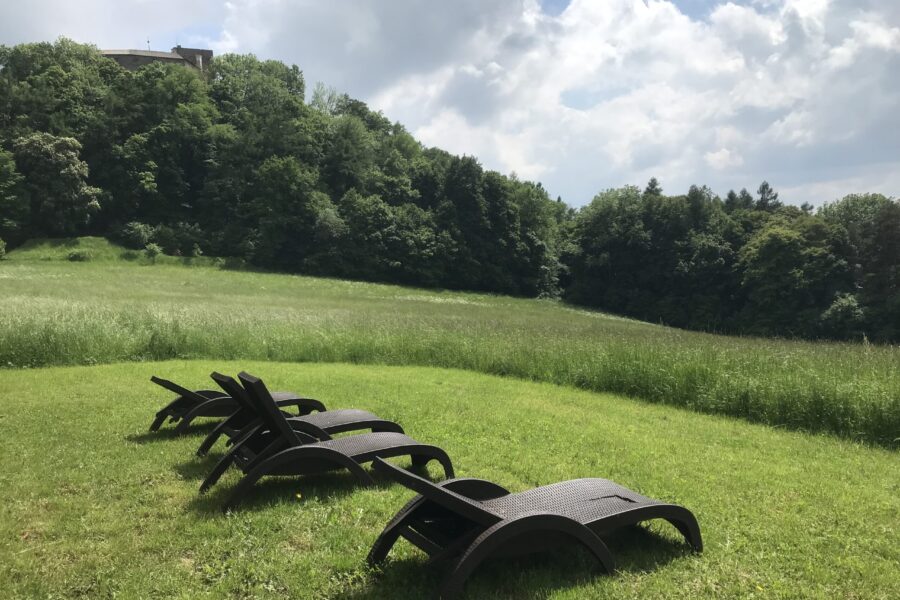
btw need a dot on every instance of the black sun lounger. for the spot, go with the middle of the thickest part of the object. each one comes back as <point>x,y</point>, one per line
<point>190,404</point>
<point>290,447</point>
<point>469,520</point>
<point>248,421</point>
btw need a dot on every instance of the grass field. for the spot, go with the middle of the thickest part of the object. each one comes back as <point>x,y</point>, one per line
<point>107,309</point>
<point>92,506</point>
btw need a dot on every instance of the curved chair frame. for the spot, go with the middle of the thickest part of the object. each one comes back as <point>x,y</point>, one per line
<point>191,404</point>
<point>478,531</point>
<point>293,447</point>
<point>246,420</point>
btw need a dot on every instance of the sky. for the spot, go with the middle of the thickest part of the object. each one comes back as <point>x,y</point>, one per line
<point>582,95</point>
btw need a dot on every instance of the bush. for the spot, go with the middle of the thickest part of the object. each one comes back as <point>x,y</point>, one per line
<point>179,239</point>
<point>151,251</point>
<point>2,249</point>
<point>136,235</point>
<point>79,256</point>
<point>844,318</point>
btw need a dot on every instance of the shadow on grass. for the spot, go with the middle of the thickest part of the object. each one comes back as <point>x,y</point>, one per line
<point>168,433</point>
<point>198,467</point>
<point>275,491</point>
<point>636,550</point>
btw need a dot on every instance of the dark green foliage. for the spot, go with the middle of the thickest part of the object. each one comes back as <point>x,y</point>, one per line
<point>792,271</point>
<point>151,251</point>
<point>768,198</point>
<point>14,209</point>
<point>844,318</point>
<point>234,163</point>
<point>2,249</point>
<point>135,235</point>
<point>59,200</point>
<point>741,265</point>
<point>79,256</point>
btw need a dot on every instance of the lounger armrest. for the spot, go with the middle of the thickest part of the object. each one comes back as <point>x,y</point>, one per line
<point>458,503</point>
<point>301,426</point>
<point>474,489</point>
<point>311,404</point>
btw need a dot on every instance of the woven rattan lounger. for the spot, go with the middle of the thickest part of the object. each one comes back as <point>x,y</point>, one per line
<point>190,404</point>
<point>295,447</point>
<point>469,520</point>
<point>248,421</point>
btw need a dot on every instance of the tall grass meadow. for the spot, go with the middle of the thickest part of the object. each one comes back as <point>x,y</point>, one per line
<point>101,311</point>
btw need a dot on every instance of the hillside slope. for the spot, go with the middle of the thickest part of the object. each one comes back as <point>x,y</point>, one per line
<point>64,313</point>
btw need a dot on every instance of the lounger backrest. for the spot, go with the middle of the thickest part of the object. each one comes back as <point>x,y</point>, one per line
<point>234,389</point>
<point>259,394</point>
<point>177,389</point>
<point>457,503</point>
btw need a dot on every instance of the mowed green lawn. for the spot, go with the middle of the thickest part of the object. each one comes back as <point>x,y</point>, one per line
<point>108,309</point>
<point>93,506</point>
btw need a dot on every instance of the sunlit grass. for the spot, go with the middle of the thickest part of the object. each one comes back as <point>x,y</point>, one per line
<point>60,313</point>
<point>92,506</point>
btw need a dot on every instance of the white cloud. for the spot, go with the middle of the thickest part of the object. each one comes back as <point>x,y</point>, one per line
<point>608,92</point>
<point>866,34</point>
<point>723,158</point>
<point>879,178</point>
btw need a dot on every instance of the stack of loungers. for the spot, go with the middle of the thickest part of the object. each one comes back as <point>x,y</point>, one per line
<point>461,520</point>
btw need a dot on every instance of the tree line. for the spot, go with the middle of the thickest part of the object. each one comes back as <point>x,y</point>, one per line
<point>235,162</point>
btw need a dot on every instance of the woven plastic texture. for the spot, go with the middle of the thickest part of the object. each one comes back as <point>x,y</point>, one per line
<point>584,500</point>
<point>334,418</point>
<point>354,445</point>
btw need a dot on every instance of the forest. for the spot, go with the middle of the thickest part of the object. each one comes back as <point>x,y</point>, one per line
<point>241,162</point>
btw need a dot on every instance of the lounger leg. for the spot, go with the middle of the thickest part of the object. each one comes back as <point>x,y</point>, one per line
<point>211,439</point>
<point>382,546</point>
<point>426,454</point>
<point>246,433</point>
<point>186,421</point>
<point>496,536</point>
<point>246,482</point>
<point>158,421</point>
<point>477,489</point>
<point>685,522</point>
<point>218,469</point>
<point>295,455</point>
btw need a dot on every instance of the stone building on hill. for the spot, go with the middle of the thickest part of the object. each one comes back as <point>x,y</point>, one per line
<point>134,59</point>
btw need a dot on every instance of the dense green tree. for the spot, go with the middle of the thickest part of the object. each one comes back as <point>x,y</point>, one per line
<point>738,200</point>
<point>60,88</point>
<point>612,244</point>
<point>872,222</point>
<point>349,155</point>
<point>60,201</point>
<point>295,222</point>
<point>881,279</point>
<point>767,197</point>
<point>793,271</point>
<point>14,208</point>
<point>653,188</point>
<point>262,101</point>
